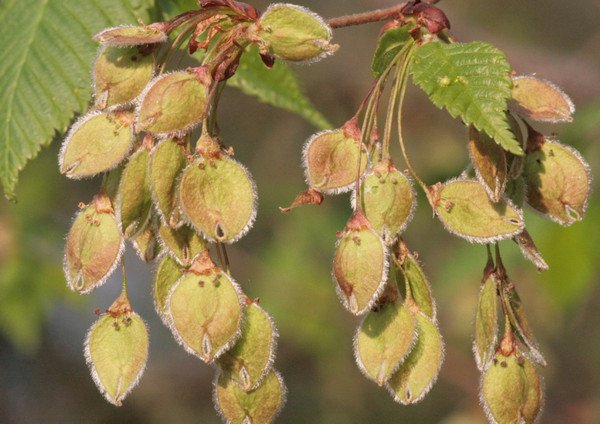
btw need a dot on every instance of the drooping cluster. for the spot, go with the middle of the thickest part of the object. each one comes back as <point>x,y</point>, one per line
<point>398,344</point>
<point>175,192</point>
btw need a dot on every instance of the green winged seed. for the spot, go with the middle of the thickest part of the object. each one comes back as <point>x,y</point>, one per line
<point>504,389</point>
<point>486,323</point>
<point>420,289</point>
<point>360,265</point>
<point>490,163</point>
<point>120,75</point>
<point>294,33</point>
<point>383,340</point>
<point>251,358</point>
<point>259,406</point>
<point>465,209</point>
<point>387,200</point>
<point>96,143</point>
<point>166,275</point>
<point>417,374</point>
<point>331,160</point>
<point>205,312</point>
<point>530,250</point>
<point>518,320</point>
<point>558,182</point>
<point>182,244</point>
<point>534,395</point>
<point>116,350</point>
<point>540,100</point>
<point>145,244</point>
<point>94,247</point>
<point>390,44</point>
<point>167,160</point>
<point>130,35</point>
<point>218,198</point>
<point>134,201</point>
<point>172,104</point>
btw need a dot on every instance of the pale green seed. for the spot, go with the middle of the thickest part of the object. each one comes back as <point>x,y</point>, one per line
<point>420,289</point>
<point>129,35</point>
<point>540,100</point>
<point>465,209</point>
<point>120,75</point>
<point>218,198</point>
<point>172,104</point>
<point>259,406</point>
<point>182,244</point>
<point>167,160</point>
<point>387,200</point>
<point>166,275</point>
<point>96,143</point>
<point>486,323</point>
<point>360,266</point>
<point>251,358</point>
<point>116,350</point>
<point>331,161</point>
<point>420,369</point>
<point>134,202</point>
<point>205,312</point>
<point>383,340</point>
<point>558,182</point>
<point>294,33</point>
<point>94,247</point>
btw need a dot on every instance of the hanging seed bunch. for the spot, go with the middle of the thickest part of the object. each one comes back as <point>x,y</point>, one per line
<point>398,343</point>
<point>174,192</point>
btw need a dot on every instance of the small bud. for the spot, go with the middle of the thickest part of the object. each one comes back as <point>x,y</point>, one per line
<point>129,35</point>
<point>465,209</point>
<point>250,359</point>
<point>387,200</point>
<point>383,340</point>
<point>134,202</point>
<point>331,159</point>
<point>94,247</point>
<point>259,406</point>
<point>96,143</point>
<point>294,33</point>
<point>182,244</point>
<point>117,354</point>
<point>219,199</point>
<point>360,265</point>
<point>167,274</point>
<point>172,104</point>
<point>486,323</point>
<point>420,369</point>
<point>167,160</point>
<point>205,317</point>
<point>120,75</point>
<point>540,100</point>
<point>490,163</point>
<point>558,180</point>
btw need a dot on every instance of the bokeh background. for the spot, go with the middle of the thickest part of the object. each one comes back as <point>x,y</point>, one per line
<point>285,260</point>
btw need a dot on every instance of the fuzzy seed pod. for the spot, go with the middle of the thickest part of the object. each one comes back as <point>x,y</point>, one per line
<point>130,35</point>
<point>540,100</point>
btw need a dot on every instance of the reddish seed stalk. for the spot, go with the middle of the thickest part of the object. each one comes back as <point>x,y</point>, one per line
<point>372,16</point>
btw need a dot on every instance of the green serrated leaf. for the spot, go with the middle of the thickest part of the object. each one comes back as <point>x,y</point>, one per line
<point>45,70</point>
<point>470,80</point>
<point>390,44</point>
<point>277,86</point>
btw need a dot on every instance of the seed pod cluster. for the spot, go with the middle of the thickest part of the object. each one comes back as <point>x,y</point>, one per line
<point>178,201</point>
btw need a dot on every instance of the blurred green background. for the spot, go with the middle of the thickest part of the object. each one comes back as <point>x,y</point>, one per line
<point>286,259</point>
